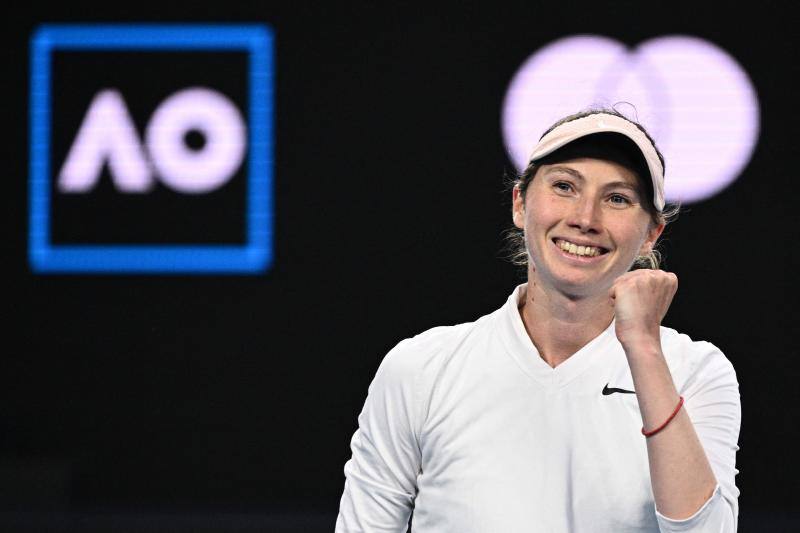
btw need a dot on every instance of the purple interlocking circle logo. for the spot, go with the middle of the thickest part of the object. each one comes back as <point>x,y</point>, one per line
<point>693,97</point>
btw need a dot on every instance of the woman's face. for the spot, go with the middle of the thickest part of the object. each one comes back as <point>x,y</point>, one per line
<point>584,223</point>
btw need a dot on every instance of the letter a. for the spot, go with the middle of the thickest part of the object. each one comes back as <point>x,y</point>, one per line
<point>106,134</point>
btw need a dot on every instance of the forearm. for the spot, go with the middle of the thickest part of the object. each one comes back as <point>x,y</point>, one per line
<point>680,473</point>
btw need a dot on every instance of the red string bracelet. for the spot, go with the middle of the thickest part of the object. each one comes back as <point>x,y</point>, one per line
<point>662,426</point>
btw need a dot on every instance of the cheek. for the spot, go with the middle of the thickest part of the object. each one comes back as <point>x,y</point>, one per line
<point>631,235</point>
<point>542,216</point>
<point>540,208</point>
<point>538,222</point>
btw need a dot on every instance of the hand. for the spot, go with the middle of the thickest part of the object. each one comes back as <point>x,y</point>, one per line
<point>641,299</point>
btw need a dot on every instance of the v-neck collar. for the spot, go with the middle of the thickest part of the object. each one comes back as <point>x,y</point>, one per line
<point>521,348</point>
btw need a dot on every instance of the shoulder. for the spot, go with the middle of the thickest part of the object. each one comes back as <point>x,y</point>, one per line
<point>419,361</point>
<point>695,362</point>
<point>426,352</point>
<point>408,372</point>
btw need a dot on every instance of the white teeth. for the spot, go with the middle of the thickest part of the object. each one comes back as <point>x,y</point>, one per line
<point>575,249</point>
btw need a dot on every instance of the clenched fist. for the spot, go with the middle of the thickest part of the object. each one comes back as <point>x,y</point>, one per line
<point>641,299</point>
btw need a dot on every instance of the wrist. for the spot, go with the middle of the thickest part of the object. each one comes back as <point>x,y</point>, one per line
<point>641,343</point>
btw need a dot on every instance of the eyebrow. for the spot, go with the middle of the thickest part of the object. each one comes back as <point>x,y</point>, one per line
<point>567,170</point>
<point>574,173</point>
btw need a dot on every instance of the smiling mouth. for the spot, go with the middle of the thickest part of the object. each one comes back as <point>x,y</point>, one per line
<point>579,250</point>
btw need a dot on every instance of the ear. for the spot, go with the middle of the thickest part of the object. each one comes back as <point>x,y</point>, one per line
<point>518,207</point>
<point>653,233</point>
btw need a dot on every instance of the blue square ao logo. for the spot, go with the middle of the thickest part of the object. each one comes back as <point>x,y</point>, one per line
<point>151,149</point>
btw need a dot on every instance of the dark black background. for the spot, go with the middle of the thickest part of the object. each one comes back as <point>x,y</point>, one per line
<point>177,395</point>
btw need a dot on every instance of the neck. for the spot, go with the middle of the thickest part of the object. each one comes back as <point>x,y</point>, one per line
<point>558,324</point>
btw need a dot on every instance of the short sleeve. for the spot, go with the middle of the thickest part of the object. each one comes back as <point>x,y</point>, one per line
<point>381,475</point>
<point>713,403</point>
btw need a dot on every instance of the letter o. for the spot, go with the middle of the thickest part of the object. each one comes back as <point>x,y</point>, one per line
<point>217,118</point>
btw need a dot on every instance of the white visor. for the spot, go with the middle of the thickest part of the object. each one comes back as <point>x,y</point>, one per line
<point>601,123</point>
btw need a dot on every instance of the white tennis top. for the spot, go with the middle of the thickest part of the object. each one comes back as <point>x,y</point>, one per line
<point>471,429</point>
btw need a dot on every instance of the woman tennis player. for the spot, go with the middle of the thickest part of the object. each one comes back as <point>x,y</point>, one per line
<point>570,408</point>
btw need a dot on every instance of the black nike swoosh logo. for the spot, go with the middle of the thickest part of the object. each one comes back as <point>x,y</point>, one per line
<point>611,390</point>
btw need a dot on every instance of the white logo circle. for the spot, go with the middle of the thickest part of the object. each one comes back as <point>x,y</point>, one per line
<point>694,99</point>
<point>217,118</point>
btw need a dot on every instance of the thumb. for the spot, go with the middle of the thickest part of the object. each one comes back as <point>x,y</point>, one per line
<point>612,292</point>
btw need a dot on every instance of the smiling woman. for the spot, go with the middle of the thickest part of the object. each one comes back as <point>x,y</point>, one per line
<point>608,146</point>
<point>570,408</point>
<point>584,202</point>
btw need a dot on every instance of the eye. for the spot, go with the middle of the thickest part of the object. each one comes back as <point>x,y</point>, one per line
<point>562,186</point>
<point>619,199</point>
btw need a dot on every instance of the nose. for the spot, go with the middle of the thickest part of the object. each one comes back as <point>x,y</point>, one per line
<point>585,215</point>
